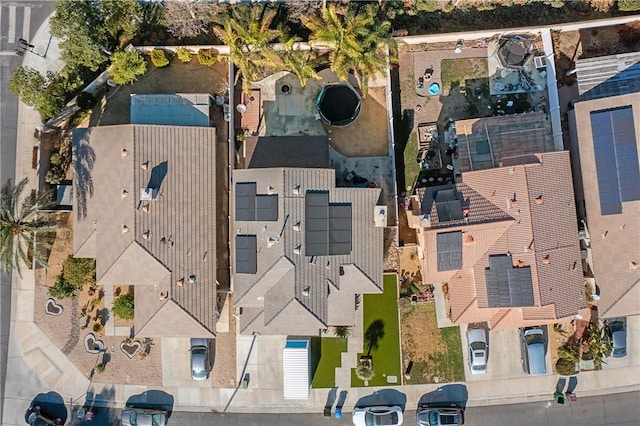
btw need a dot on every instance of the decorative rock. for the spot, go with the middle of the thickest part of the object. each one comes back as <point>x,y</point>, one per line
<point>93,345</point>
<point>130,349</point>
<point>52,308</point>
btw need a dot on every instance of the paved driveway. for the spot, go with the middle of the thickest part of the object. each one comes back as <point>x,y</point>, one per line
<point>633,346</point>
<point>176,364</point>
<point>504,356</point>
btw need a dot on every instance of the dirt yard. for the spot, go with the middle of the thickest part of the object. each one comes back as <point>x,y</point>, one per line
<point>435,353</point>
<point>368,136</point>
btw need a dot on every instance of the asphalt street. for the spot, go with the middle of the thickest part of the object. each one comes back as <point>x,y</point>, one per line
<point>608,410</point>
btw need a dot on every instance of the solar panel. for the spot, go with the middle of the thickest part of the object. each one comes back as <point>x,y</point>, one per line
<point>340,228</point>
<point>449,250</point>
<point>246,201</point>
<point>448,206</point>
<point>616,155</point>
<point>328,229</point>
<point>266,207</point>
<point>253,207</point>
<point>246,254</point>
<point>508,286</point>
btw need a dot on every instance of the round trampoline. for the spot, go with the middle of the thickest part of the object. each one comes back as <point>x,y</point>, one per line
<point>339,104</point>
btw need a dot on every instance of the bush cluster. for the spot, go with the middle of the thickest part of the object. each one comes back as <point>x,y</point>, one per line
<point>159,58</point>
<point>207,56</point>
<point>184,54</point>
<point>123,306</point>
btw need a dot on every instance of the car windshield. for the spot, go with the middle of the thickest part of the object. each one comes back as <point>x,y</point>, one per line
<point>156,419</point>
<point>477,346</point>
<point>533,338</point>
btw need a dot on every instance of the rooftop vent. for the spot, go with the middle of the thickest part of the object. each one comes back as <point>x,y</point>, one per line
<point>306,292</point>
<point>297,249</point>
<point>124,152</point>
<point>271,190</point>
<point>546,260</point>
<point>145,208</point>
<point>192,279</point>
<point>633,265</point>
<point>539,200</point>
<point>164,295</point>
<point>271,241</point>
<point>149,194</point>
<point>180,282</point>
<point>145,165</point>
<point>125,193</point>
<point>125,229</point>
<point>468,239</point>
<point>146,234</point>
<point>296,190</point>
<point>520,263</point>
<point>297,226</point>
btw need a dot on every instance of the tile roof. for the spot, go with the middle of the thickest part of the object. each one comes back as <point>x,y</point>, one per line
<point>290,287</point>
<point>142,242</point>
<point>614,237</point>
<point>533,221</point>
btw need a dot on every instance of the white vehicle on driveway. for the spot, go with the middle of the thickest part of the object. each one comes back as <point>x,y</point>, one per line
<point>377,416</point>
<point>478,350</point>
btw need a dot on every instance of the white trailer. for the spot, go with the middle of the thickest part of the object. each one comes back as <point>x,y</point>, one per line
<point>296,369</point>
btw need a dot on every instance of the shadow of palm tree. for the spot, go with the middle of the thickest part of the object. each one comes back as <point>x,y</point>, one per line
<point>84,158</point>
<point>373,335</point>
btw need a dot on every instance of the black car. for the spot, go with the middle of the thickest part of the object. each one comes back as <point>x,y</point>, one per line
<point>36,416</point>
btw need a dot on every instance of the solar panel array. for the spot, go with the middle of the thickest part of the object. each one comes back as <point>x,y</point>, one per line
<point>328,226</point>
<point>508,286</point>
<point>251,206</point>
<point>449,250</point>
<point>616,157</point>
<point>246,254</point>
<point>448,205</point>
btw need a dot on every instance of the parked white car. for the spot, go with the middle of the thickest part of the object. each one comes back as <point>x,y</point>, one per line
<point>478,350</point>
<point>377,416</point>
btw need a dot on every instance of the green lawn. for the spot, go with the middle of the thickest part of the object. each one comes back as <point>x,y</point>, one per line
<point>411,166</point>
<point>457,71</point>
<point>327,356</point>
<point>381,311</point>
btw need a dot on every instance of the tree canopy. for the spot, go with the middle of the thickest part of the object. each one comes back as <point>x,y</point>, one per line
<point>21,221</point>
<point>45,93</point>
<point>127,66</point>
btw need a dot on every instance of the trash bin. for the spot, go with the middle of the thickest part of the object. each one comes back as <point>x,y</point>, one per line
<point>338,413</point>
<point>559,397</point>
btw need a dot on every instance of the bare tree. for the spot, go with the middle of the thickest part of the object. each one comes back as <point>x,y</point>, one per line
<point>189,18</point>
<point>297,8</point>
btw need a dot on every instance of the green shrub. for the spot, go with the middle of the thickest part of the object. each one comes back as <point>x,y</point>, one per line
<point>85,100</point>
<point>101,367</point>
<point>127,66</point>
<point>62,289</point>
<point>184,54</point>
<point>79,271</point>
<point>566,367</point>
<point>159,58</point>
<point>55,175</point>
<point>365,371</point>
<point>207,56</point>
<point>55,158</point>
<point>97,327</point>
<point>123,306</point>
<point>628,5</point>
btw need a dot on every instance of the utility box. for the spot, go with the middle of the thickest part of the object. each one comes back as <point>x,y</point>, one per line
<point>296,369</point>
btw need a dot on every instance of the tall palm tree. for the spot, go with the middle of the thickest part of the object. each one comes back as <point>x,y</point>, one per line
<point>300,62</point>
<point>20,223</point>
<point>358,41</point>
<point>247,32</point>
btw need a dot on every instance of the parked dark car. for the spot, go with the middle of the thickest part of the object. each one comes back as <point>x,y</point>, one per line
<point>36,416</point>
<point>134,416</point>
<point>617,331</point>
<point>430,416</point>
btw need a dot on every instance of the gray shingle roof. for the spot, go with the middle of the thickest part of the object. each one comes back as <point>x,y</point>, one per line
<point>306,283</point>
<point>140,241</point>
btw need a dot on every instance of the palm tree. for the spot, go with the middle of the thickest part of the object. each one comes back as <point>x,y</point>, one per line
<point>358,42</point>
<point>20,224</point>
<point>247,33</point>
<point>300,62</point>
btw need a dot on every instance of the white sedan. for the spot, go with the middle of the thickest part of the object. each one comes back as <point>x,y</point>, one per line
<point>477,338</point>
<point>377,416</point>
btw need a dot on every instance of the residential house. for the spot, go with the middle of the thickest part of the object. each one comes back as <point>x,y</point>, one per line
<point>505,242</point>
<point>144,208</point>
<point>605,132</point>
<point>304,250</point>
